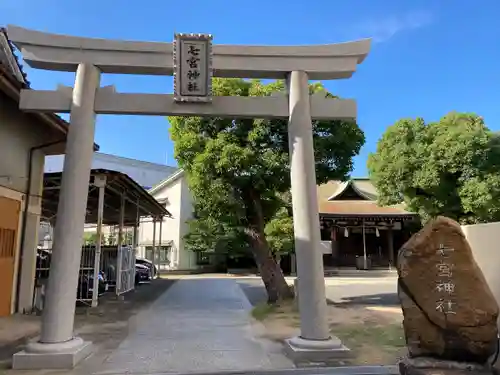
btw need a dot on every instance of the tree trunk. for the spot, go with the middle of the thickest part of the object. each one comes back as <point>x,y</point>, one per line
<point>272,276</point>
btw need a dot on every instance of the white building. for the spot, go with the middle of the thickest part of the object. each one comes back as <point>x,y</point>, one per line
<point>168,185</point>
<point>174,193</point>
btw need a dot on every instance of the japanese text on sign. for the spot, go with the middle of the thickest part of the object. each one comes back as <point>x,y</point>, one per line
<point>403,262</point>
<point>192,76</point>
<point>445,285</point>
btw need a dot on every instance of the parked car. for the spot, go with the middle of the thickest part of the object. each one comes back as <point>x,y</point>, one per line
<point>142,273</point>
<point>86,284</point>
<point>148,264</point>
<point>85,280</point>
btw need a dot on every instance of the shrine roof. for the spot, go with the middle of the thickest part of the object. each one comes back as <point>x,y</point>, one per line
<point>355,197</point>
<point>357,207</point>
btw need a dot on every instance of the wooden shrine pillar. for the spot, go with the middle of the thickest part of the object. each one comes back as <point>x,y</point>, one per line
<point>390,246</point>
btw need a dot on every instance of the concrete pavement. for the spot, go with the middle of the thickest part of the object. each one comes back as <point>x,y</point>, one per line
<point>380,291</point>
<point>198,325</point>
<point>376,291</point>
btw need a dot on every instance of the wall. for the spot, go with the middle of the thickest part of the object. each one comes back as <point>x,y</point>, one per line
<point>187,259</point>
<point>19,132</point>
<point>180,205</point>
<point>484,240</point>
<point>144,173</point>
<point>170,227</point>
<point>17,136</point>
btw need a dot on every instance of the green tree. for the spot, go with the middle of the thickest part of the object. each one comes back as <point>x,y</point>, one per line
<point>207,234</point>
<point>89,238</point>
<point>279,232</point>
<point>128,237</point>
<point>449,168</point>
<point>237,169</point>
<point>111,239</point>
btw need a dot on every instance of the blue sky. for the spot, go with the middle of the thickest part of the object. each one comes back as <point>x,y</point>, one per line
<point>429,57</point>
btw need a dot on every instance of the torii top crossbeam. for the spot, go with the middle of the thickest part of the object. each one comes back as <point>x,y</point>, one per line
<point>65,53</point>
<point>61,52</point>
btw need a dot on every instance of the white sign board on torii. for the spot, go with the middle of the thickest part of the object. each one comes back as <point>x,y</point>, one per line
<point>192,68</point>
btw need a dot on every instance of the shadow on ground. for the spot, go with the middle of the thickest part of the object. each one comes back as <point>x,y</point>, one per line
<point>105,325</point>
<point>383,299</point>
<point>254,290</point>
<point>256,293</point>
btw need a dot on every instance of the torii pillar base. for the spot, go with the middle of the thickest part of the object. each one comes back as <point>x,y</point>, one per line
<point>60,356</point>
<point>301,351</point>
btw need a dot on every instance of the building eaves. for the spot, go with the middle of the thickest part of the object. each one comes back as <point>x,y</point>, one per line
<point>359,208</point>
<point>342,186</point>
<point>166,182</point>
<point>13,79</point>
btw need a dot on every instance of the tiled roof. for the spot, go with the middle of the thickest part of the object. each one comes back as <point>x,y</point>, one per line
<point>366,205</point>
<point>9,61</point>
<point>333,188</point>
<point>359,208</point>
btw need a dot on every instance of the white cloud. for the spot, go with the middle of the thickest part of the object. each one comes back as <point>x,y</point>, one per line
<point>384,28</point>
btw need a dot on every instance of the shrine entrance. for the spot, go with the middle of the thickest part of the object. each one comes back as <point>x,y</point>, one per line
<point>193,61</point>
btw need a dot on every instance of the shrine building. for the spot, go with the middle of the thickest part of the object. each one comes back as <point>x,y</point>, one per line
<point>355,227</point>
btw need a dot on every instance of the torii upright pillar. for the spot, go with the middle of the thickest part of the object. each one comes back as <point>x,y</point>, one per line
<point>57,346</point>
<point>315,342</point>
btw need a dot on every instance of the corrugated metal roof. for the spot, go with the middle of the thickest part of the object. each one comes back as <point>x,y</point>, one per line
<point>116,184</point>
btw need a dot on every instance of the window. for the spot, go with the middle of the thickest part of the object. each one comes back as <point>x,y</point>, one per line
<point>162,254</point>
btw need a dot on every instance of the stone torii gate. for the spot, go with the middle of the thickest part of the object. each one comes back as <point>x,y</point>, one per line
<point>193,61</point>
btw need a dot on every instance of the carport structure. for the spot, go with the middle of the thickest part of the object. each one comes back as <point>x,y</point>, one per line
<point>114,199</point>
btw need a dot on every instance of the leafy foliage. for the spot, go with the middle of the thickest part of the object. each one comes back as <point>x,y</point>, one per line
<point>210,235</point>
<point>89,238</point>
<point>238,172</point>
<point>449,167</point>
<point>279,233</point>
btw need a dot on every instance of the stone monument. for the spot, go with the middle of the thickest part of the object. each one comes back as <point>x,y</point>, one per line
<point>450,314</point>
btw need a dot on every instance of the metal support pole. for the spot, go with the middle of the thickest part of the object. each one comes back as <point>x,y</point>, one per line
<point>119,258</point>
<point>135,244</point>
<point>154,248</point>
<point>136,229</point>
<point>160,242</point>
<point>122,219</point>
<point>100,182</point>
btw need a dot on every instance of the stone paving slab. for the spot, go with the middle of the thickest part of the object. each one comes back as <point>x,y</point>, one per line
<point>348,370</point>
<point>198,325</point>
